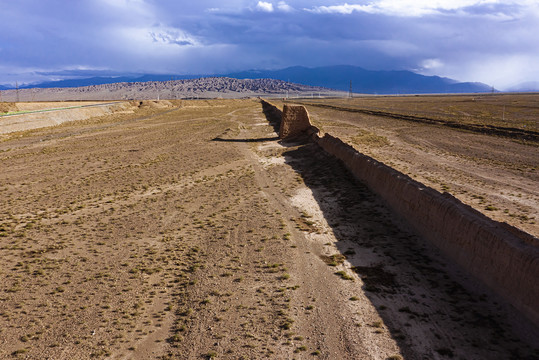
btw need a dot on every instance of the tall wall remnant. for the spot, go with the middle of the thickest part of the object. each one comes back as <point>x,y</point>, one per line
<point>500,256</point>
<point>295,122</point>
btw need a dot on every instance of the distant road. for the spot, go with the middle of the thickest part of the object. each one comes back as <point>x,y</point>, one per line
<point>58,109</point>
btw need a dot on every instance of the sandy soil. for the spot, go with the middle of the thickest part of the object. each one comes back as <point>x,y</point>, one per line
<point>190,232</point>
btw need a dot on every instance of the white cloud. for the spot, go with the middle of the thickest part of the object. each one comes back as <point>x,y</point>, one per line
<point>500,71</point>
<point>155,41</point>
<point>283,6</point>
<point>415,8</point>
<point>264,6</point>
<point>461,39</point>
<point>426,7</point>
<point>123,3</point>
<point>171,36</point>
<point>341,9</point>
<point>139,7</point>
<point>431,64</point>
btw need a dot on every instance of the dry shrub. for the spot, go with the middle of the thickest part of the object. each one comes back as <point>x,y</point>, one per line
<point>368,138</point>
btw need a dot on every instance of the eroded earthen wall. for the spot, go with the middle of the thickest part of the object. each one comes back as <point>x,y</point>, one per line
<point>501,256</point>
<point>295,121</point>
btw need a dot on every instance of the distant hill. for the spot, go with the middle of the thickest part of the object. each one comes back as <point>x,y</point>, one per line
<point>209,87</point>
<point>101,80</point>
<point>332,77</point>
<point>366,81</point>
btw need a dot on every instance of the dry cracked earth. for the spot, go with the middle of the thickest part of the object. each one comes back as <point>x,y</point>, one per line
<point>191,232</point>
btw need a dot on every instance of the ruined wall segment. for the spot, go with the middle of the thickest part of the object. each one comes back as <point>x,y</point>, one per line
<point>501,256</point>
<point>295,122</point>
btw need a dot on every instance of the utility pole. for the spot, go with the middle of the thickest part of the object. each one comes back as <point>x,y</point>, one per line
<point>350,92</point>
<point>16,91</point>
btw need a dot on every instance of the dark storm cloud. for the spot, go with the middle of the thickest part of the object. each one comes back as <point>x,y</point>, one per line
<point>478,40</point>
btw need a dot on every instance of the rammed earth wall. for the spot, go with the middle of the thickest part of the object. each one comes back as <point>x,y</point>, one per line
<point>295,121</point>
<point>501,256</point>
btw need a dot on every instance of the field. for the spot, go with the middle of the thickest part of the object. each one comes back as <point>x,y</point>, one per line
<point>187,231</point>
<point>501,110</point>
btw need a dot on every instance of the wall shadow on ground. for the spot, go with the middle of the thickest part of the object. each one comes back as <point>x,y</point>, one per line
<point>404,277</point>
<point>273,115</point>
<point>246,140</point>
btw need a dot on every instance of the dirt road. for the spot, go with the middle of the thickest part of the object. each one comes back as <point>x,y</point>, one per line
<point>191,232</point>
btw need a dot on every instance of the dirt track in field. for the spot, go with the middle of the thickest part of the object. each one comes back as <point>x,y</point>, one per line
<point>190,232</point>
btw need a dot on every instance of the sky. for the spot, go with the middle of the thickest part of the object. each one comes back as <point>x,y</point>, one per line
<point>491,41</point>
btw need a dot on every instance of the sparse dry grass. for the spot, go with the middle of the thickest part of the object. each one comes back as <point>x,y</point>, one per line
<point>518,110</point>
<point>138,233</point>
<point>369,139</point>
<point>109,231</point>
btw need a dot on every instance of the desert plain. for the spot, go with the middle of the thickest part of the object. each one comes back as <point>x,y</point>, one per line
<point>188,230</point>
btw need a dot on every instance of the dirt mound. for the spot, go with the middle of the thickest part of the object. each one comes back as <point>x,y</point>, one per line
<point>155,104</point>
<point>56,115</point>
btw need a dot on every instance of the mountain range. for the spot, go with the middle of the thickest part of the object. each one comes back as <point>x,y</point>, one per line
<point>332,77</point>
<point>367,81</point>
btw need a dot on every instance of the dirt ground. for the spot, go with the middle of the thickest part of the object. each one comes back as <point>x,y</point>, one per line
<point>191,232</point>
